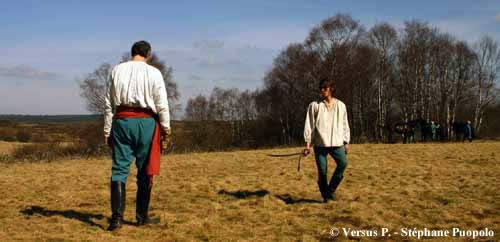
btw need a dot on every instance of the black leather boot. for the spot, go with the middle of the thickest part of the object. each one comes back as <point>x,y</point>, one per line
<point>332,187</point>
<point>323,189</point>
<point>117,204</point>
<point>142,205</point>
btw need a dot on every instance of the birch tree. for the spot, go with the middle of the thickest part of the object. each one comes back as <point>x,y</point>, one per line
<point>383,38</point>
<point>488,64</point>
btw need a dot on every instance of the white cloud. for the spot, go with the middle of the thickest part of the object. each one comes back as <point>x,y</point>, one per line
<point>195,78</point>
<point>243,80</point>
<point>25,72</point>
<point>270,37</point>
<point>218,61</point>
<point>208,44</point>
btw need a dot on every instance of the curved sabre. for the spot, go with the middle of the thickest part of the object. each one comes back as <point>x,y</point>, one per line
<point>285,155</point>
<point>301,154</point>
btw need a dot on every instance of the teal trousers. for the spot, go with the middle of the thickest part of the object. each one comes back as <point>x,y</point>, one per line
<point>131,139</point>
<point>321,155</point>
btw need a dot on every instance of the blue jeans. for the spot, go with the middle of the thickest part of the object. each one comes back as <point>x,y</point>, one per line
<point>321,155</point>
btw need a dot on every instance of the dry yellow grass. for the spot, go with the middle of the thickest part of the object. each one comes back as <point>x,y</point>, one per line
<point>247,196</point>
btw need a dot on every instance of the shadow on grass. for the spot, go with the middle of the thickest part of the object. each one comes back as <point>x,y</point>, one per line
<point>290,200</point>
<point>71,214</point>
<point>243,194</point>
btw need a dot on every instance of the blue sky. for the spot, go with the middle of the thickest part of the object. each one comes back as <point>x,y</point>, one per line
<point>48,45</point>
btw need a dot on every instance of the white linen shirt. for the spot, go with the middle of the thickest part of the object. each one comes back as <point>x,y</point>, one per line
<point>136,84</point>
<point>327,128</point>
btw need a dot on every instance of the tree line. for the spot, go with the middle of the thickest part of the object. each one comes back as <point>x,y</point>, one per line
<point>384,75</point>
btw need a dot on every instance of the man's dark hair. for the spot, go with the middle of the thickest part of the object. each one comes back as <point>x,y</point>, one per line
<point>141,48</point>
<point>326,82</point>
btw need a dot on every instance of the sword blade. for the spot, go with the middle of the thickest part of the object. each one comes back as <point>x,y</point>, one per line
<point>285,155</point>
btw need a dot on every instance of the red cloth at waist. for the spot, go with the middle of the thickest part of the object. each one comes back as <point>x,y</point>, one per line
<point>123,112</point>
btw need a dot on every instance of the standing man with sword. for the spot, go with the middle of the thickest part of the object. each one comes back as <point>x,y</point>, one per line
<point>136,116</point>
<point>327,132</point>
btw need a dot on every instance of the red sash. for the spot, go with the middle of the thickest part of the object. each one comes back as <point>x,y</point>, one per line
<point>153,168</point>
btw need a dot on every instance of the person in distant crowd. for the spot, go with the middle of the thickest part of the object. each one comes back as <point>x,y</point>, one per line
<point>136,116</point>
<point>327,131</point>
<point>438,132</point>
<point>433,130</point>
<point>411,134</point>
<point>468,132</point>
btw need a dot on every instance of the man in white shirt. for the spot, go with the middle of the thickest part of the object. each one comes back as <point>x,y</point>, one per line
<point>136,114</point>
<point>327,131</point>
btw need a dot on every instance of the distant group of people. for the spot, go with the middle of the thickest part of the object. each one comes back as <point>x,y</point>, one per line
<point>463,130</point>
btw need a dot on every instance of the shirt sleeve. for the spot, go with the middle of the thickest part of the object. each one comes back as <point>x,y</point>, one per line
<point>347,131</point>
<point>310,124</point>
<point>161,102</point>
<point>108,106</point>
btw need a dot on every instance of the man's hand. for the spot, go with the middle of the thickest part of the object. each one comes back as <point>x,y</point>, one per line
<point>108,141</point>
<point>346,148</point>
<point>307,150</point>
<point>166,132</point>
<point>165,139</point>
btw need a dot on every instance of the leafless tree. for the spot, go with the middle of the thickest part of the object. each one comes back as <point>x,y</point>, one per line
<point>92,86</point>
<point>488,64</point>
<point>383,37</point>
<point>247,107</point>
<point>412,53</point>
<point>288,88</point>
<point>231,112</point>
<point>197,109</point>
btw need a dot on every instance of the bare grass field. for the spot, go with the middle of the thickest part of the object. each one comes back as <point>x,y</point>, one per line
<point>248,196</point>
